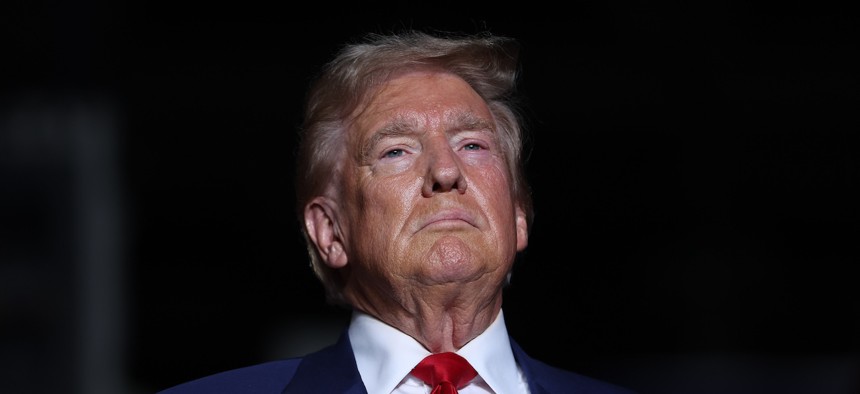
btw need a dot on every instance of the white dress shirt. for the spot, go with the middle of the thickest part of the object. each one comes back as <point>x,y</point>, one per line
<point>385,356</point>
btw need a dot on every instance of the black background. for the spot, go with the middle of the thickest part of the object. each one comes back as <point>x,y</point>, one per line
<point>695,175</point>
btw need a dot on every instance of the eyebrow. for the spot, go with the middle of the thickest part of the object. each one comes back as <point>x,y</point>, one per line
<point>409,123</point>
<point>401,125</point>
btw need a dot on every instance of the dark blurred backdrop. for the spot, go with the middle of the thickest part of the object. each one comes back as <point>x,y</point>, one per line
<point>695,174</point>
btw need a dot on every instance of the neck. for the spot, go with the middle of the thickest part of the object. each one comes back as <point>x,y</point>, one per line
<point>443,318</point>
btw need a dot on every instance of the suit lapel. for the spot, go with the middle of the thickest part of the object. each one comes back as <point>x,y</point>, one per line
<point>330,370</point>
<point>530,370</point>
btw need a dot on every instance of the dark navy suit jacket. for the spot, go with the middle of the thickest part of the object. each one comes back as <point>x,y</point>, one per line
<point>332,370</point>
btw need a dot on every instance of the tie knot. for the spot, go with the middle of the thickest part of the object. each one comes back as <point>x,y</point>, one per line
<point>445,369</point>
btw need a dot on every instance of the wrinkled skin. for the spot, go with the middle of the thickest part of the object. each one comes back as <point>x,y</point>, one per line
<point>423,225</point>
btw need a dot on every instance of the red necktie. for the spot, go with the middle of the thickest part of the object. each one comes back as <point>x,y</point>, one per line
<point>445,372</point>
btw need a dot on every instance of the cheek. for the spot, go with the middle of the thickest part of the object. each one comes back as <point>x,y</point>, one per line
<point>495,184</point>
<point>378,227</point>
<point>385,205</point>
<point>497,196</point>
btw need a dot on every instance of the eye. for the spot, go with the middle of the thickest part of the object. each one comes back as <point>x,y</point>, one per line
<point>472,147</point>
<point>394,153</point>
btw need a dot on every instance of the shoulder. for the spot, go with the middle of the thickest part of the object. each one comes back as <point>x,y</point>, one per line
<point>556,380</point>
<point>545,378</point>
<point>270,377</point>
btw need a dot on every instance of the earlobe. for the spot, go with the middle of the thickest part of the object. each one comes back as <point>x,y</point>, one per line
<point>322,227</point>
<point>522,230</point>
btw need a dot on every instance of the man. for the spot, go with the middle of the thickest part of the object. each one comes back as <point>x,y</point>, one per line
<point>414,205</point>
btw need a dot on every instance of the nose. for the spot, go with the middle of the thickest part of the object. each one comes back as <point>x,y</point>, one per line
<point>444,172</point>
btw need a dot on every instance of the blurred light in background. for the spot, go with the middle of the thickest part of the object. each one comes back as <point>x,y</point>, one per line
<point>61,240</point>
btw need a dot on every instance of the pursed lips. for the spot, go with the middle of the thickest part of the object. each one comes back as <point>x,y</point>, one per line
<point>449,218</point>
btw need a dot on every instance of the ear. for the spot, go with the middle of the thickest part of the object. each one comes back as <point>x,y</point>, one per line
<point>324,230</point>
<point>522,230</point>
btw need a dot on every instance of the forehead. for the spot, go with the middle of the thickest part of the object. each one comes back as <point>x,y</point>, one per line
<point>422,99</point>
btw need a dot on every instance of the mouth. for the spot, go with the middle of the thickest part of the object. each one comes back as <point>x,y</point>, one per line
<point>449,220</point>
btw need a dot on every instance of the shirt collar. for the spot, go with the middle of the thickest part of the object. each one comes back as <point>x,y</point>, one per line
<point>385,355</point>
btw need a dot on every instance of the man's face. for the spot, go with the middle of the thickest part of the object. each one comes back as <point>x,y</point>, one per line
<point>426,191</point>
